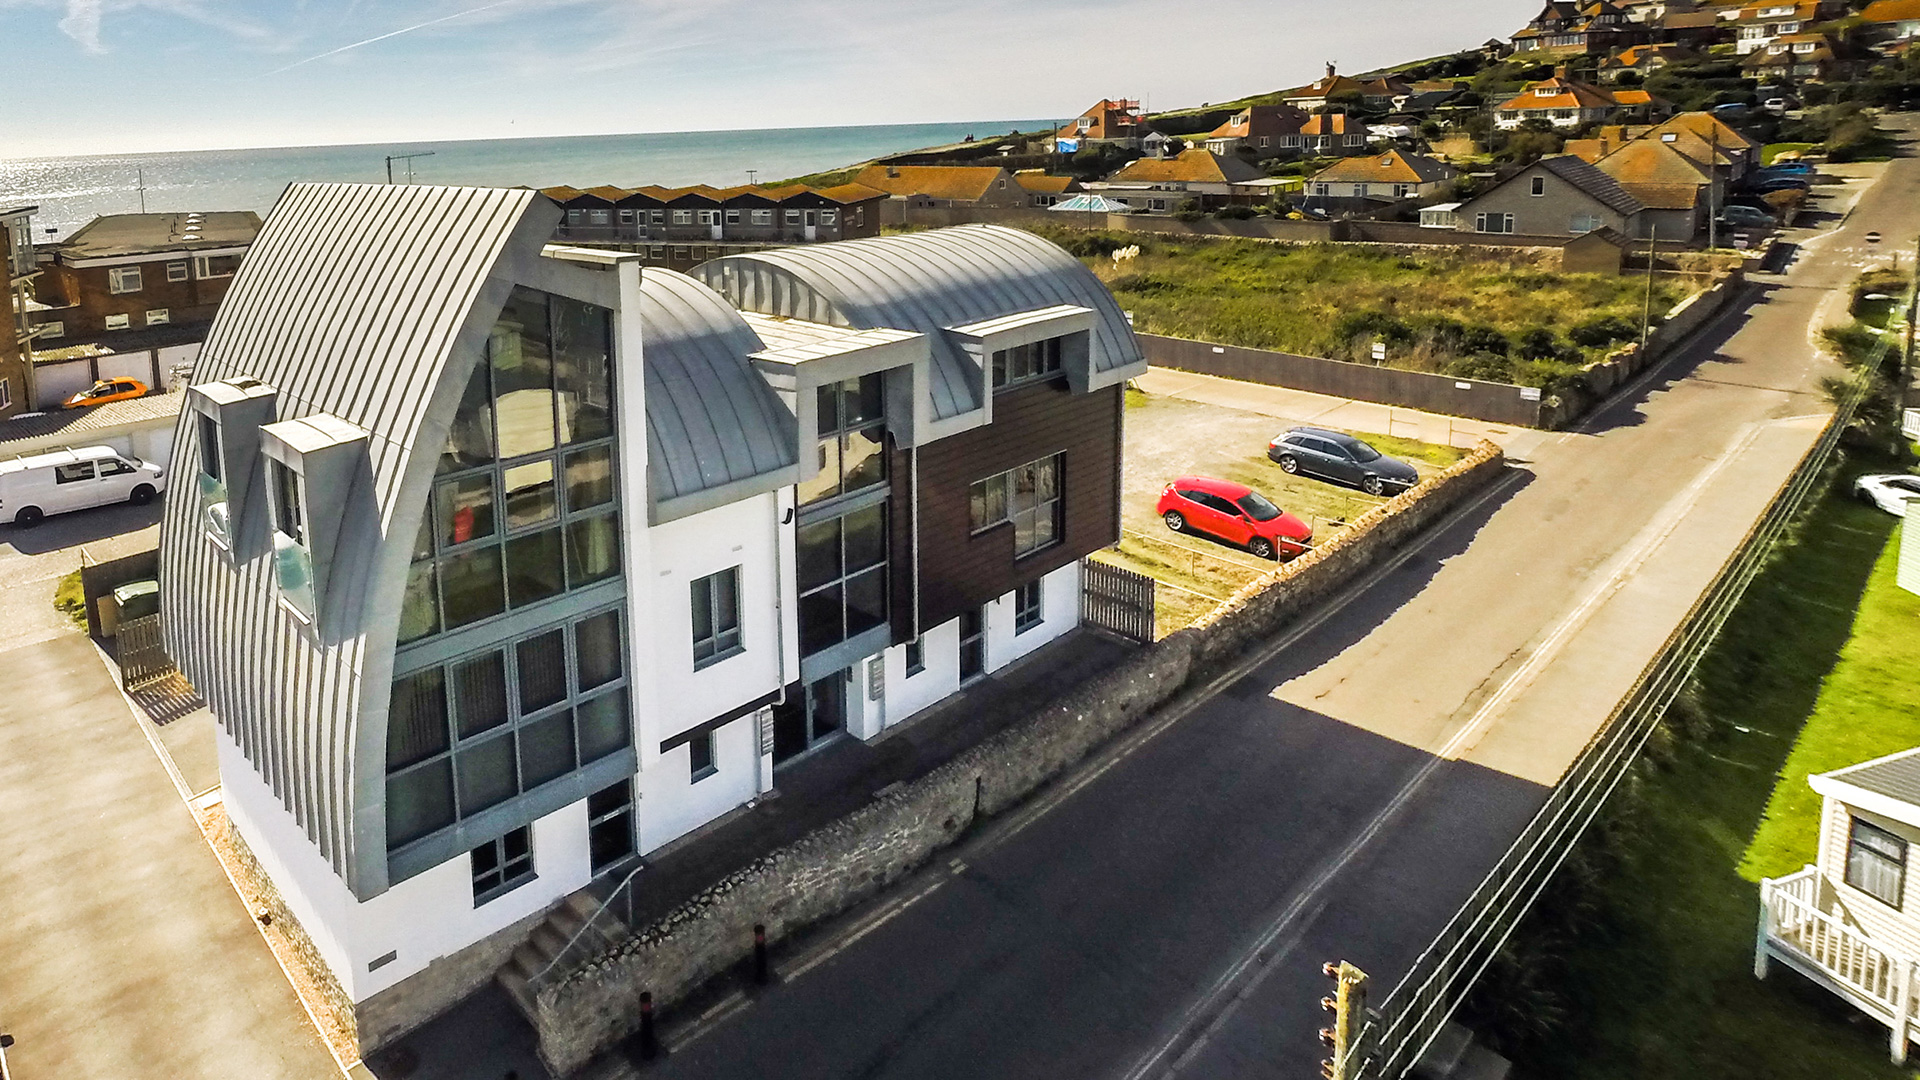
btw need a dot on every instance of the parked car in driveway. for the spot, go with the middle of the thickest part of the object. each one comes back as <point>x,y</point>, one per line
<point>1234,513</point>
<point>1337,456</point>
<point>1746,217</point>
<point>104,391</point>
<point>1766,184</point>
<point>1785,168</point>
<point>1888,491</point>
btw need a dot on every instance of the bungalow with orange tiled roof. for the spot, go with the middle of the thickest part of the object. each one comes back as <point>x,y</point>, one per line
<point>1261,130</point>
<point>1043,189</point>
<point>1678,191</point>
<point>1563,102</point>
<point>1201,176</point>
<point>1333,133</point>
<point>1393,175</point>
<point>1892,21</point>
<point>1377,93</point>
<point>945,185</point>
<point>1805,57</point>
<point>1112,121</point>
<point>1644,60</point>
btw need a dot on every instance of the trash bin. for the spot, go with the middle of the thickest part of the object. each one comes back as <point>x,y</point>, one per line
<point>137,600</point>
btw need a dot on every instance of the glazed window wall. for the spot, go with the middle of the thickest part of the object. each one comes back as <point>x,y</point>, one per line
<point>526,505</point>
<point>472,733</point>
<point>851,423</point>
<point>842,577</point>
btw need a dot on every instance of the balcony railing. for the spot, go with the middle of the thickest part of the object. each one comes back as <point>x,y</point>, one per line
<point>1802,927</point>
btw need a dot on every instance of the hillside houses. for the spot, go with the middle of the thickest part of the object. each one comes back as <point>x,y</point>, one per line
<point>1111,121</point>
<point>1570,28</point>
<point>1392,176</point>
<point>1261,130</point>
<point>1376,94</point>
<point>1565,103</point>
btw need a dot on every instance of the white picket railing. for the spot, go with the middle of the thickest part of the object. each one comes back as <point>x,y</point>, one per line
<point>1797,928</point>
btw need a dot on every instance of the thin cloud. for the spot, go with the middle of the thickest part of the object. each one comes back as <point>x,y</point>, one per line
<point>82,24</point>
<point>385,36</point>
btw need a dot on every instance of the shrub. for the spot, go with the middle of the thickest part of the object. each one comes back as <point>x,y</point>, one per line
<point>1484,339</point>
<point>1601,332</point>
<point>1235,213</point>
<point>1539,344</point>
<point>1483,366</point>
<point>1142,283</point>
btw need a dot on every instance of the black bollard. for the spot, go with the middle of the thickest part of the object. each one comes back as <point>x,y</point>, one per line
<point>759,955</point>
<point>649,1045</point>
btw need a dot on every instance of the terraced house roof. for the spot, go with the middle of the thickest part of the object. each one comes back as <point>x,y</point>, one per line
<point>1882,11</point>
<point>1595,183</point>
<point>960,183</point>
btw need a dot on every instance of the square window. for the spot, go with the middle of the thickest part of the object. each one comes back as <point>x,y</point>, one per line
<point>118,322</point>
<point>716,617</point>
<point>530,494</point>
<point>916,656</point>
<point>700,756</point>
<point>604,726</point>
<point>464,509</point>
<point>1876,862</point>
<point>419,802</point>
<point>123,279</point>
<point>471,587</point>
<point>499,866</point>
<point>177,271</point>
<point>534,568</point>
<point>486,775</point>
<point>598,655</point>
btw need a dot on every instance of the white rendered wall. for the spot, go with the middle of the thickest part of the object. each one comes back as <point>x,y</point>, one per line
<point>745,535</point>
<point>673,804</point>
<point>940,678</point>
<point>420,919</point>
<point>1059,613</point>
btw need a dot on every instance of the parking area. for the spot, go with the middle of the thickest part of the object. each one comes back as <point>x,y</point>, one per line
<point>1168,437</point>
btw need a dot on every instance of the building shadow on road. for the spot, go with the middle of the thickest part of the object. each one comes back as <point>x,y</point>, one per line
<point>80,528</point>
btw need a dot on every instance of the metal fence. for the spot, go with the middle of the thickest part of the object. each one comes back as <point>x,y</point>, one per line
<point>1117,600</point>
<point>1409,1018</point>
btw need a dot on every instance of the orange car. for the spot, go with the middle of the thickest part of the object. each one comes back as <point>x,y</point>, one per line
<point>107,390</point>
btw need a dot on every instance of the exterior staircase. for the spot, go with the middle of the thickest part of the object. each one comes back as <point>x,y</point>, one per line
<point>578,928</point>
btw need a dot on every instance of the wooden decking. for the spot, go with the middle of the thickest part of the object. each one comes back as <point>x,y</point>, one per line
<point>1800,928</point>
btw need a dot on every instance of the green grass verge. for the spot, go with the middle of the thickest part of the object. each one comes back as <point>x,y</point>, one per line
<point>1869,706</point>
<point>69,599</point>
<point>1643,948</point>
<point>1772,151</point>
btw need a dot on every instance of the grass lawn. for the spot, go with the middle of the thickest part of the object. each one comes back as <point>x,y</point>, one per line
<point>1771,151</point>
<point>1436,311</point>
<point>1645,946</point>
<point>1167,437</point>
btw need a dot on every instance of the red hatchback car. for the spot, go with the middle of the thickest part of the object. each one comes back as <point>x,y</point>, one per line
<point>1234,513</point>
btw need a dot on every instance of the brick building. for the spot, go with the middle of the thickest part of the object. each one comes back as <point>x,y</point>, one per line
<point>124,272</point>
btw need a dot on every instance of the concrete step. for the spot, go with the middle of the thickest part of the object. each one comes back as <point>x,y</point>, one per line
<point>515,984</point>
<point>566,920</point>
<point>1444,1053</point>
<point>548,939</point>
<point>581,904</point>
<point>526,960</point>
<point>1481,1063</point>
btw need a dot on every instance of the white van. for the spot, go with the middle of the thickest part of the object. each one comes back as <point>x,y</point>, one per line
<point>34,486</point>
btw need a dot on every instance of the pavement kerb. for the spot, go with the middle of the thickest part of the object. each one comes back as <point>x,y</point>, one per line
<point>350,1068</point>
<point>997,831</point>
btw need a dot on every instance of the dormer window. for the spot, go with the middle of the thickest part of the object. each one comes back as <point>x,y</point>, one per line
<point>1085,124</point>
<point>229,416</point>
<point>292,558</point>
<point>1545,91</point>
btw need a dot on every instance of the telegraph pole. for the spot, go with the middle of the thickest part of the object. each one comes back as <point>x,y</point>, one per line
<point>1646,315</point>
<point>1348,1004</point>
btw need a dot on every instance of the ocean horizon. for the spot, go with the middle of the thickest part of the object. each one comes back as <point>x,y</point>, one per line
<point>71,191</point>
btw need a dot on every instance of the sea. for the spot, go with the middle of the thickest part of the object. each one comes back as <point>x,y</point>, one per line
<point>71,191</point>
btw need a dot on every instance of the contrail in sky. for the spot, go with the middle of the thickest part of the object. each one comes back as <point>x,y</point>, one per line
<point>392,33</point>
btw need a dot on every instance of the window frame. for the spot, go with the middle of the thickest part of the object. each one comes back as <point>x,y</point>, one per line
<point>118,278</point>
<point>914,658</point>
<point>596,819</point>
<point>507,879</point>
<point>721,644</point>
<point>1027,362</point>
<point>981,494</point>
<point>703,758</point>
<point>177,271</point>
<point>203,266</point>
<point>118,321</point>
<point>1856,827</point>
<point>1029,606</point>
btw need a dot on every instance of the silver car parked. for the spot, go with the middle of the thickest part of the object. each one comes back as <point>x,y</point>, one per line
<point>1337,456</point>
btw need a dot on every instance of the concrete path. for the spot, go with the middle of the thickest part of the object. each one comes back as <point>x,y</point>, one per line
<point>124,951</point>
<point>1340,797</point>
<point>1325,410</point>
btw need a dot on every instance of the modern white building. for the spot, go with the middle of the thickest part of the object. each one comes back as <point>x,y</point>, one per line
<point>501,564</point>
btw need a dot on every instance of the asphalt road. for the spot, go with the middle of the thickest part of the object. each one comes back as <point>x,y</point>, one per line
<point>1170,916</point>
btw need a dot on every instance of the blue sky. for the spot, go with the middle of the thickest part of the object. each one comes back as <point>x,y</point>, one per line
<point>116,76</point>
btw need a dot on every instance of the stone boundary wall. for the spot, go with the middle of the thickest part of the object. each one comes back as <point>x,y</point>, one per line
<point>1682,321</point>
<point>591,1008</point>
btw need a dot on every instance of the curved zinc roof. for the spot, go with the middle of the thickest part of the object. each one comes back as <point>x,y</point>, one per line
<point>927,282</point>
<point>353,301</point>
<point>712,420</point>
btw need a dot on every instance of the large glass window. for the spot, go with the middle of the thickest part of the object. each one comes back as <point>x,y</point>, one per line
<point>842,577</point>
<point>1029,497</point>
<point>480,730</point>
<point>851,421</point>
<point>526,505</point>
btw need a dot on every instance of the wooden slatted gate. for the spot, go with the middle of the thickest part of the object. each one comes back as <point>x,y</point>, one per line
<point>1117,600</point>
<point>141,655</point>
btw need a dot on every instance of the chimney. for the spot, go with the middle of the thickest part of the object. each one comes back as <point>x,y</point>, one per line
<point>893,172</point>
<point>1329,71</point>
<point>1560,72</point>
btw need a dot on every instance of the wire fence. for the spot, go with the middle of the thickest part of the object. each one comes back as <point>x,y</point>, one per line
<point>1409,1018</point>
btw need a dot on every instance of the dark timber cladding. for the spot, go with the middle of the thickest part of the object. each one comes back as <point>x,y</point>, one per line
<point>960,570</point>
